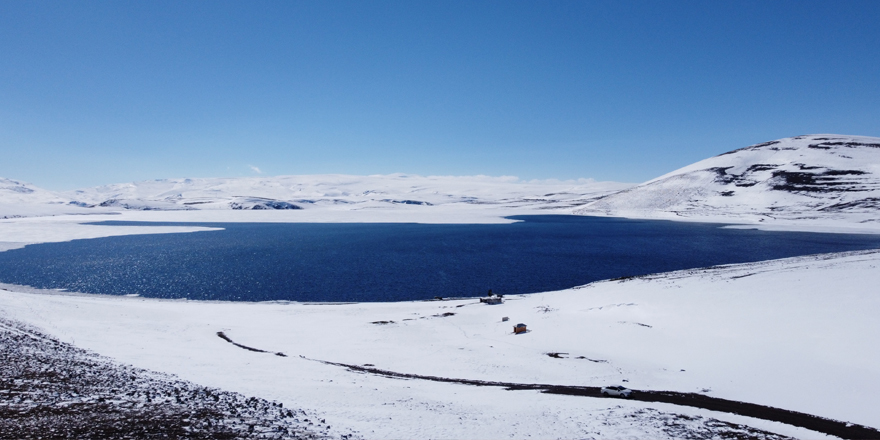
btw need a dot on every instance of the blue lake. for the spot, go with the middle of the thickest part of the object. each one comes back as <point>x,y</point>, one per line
<point>396,262</point>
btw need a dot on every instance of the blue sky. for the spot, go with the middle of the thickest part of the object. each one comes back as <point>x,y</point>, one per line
<point>103,92</point>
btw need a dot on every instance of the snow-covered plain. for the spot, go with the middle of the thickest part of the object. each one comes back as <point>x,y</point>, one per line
<point>798,334</point>
<point>362,192</point>
<point>780,333</point>
<point>309,192</point>
<point>32,215</point>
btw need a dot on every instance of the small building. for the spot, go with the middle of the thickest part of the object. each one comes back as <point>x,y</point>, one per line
<point>519,328</point>
<point>492,300</point>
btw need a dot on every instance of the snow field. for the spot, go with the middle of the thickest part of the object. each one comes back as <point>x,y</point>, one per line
<point>798,334</point>
<point>18,232</point>
<point>812,180</point>
<point>328,194</point>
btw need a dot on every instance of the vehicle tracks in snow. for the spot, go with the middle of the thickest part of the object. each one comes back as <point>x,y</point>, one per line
<point>808,421</point>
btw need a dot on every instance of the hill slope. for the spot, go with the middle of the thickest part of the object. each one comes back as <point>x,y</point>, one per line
<point>297,192</point>
<point>803,179</point>
<point>20,199</point>
<point>13,191</point>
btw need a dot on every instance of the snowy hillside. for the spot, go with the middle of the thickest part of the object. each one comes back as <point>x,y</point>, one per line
<point>20,199</point>
<point>13,191</point>
<point>303,192</point>
<point>799,179</point>
<point>808,181</point>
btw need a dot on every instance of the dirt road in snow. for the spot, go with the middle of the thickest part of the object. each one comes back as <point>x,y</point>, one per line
<point>807,421</point>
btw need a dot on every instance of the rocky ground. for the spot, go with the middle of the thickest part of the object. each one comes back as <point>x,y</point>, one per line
<point>49,390</point>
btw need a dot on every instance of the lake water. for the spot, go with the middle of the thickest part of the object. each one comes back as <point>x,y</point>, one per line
<point>396,262</point>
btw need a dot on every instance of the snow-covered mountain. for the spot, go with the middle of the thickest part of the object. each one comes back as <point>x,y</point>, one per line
<point>13,191</point>
<point>308,191</point>
<point>20,199</point>
<point>804,178</point>
<point>808,180</point>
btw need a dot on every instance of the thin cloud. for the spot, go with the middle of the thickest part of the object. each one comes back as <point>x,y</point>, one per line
<point>256,169</point>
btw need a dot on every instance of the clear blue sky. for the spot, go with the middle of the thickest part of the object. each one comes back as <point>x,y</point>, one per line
<point>95,92</point>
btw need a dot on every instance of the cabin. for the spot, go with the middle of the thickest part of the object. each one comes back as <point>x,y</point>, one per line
<point>492,298</point>
<point>519,328</point>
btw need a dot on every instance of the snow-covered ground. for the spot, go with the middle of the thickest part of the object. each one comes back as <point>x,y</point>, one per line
<point>31,215</point>
<point>364,192</point>
<point>798,334</point>
<point>804,182</point>
<point>49,389</point>
<point>309,192</point>
<point>811,182</point>
<point>20,199</point>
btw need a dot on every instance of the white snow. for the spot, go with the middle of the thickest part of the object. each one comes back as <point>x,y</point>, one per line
<point>19,232</point>
<point>360,192</point>
<point>31,215</point>
<point>21,199</point>
<point>16,192</point>
<point>799,334</point>
<point>805,182</point>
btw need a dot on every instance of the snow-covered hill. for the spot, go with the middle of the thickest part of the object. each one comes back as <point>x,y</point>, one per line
<point>808,181</point>
<point>13,191</point>
<point>303,192</point>
<point>804,179</point>
<point>20,199</point>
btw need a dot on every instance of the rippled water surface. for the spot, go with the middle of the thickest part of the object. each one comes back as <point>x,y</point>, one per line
<point>395,262</point>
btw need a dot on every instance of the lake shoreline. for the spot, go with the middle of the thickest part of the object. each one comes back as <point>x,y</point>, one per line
<point>668,331</point>
<point>381,262</point>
